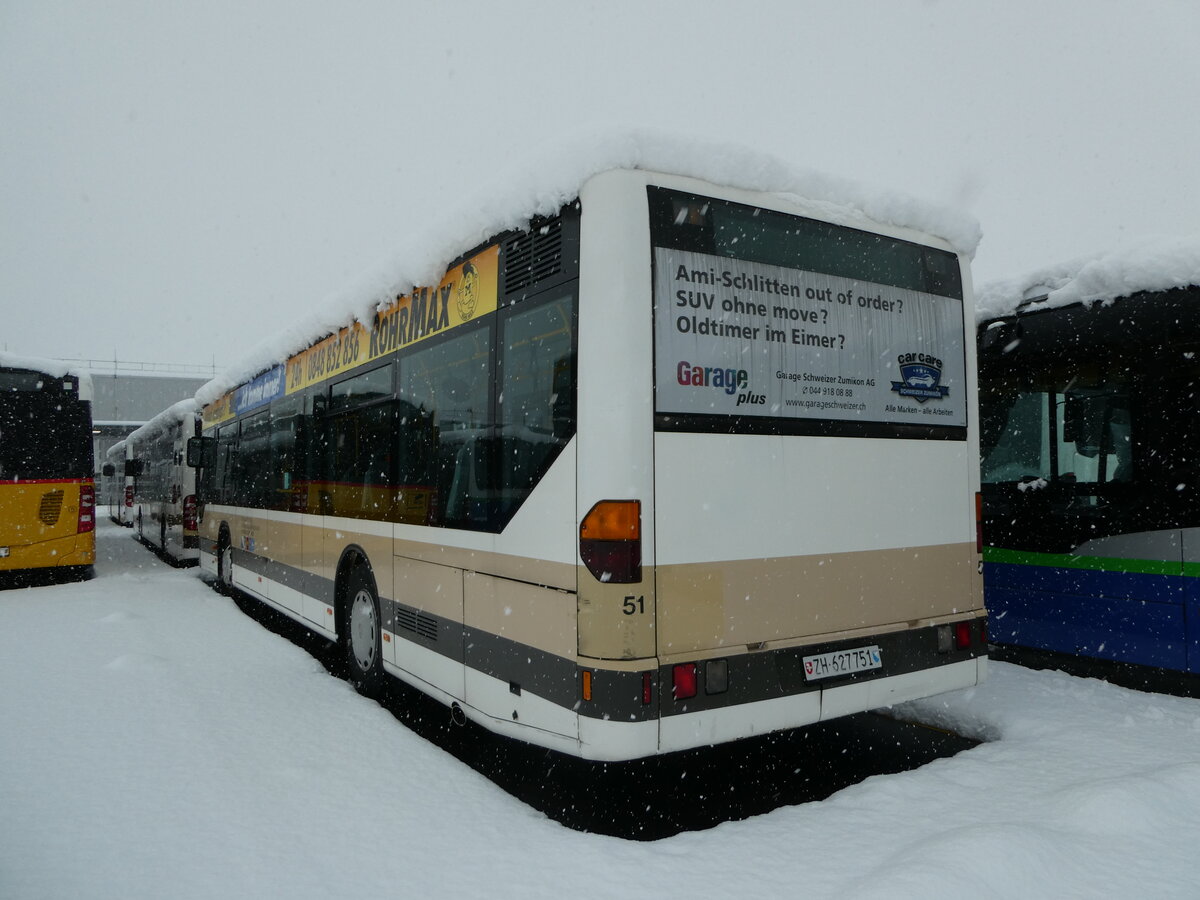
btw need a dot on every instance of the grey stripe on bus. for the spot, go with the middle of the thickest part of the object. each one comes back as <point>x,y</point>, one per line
<point>617,695</point>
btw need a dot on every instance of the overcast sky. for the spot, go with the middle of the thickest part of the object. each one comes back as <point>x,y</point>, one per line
<point>178,179</point>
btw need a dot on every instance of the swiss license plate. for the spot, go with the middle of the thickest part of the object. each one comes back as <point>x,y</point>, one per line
<point>841,662</point>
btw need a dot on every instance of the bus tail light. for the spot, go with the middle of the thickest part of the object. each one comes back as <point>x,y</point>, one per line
<point>962,635</point>
<point>87,509</point>
<point>957,636</point>
<point>129,495</point>
<point>647,688</point>
<point>189,512</point>
<point>683,677</point>
<point>610,541</point>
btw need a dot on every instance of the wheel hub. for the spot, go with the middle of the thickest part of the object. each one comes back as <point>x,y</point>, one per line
<point>363,630</point>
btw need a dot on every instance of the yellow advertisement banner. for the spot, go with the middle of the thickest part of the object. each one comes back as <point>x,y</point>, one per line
<point>467,293</point>
<point>218,411</point>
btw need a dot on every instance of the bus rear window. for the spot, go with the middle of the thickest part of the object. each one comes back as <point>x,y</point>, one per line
<point>772,323</point>
<point>44,436</point>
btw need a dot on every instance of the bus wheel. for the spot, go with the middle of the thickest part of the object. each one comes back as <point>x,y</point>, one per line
<point>361,640</point>
<point>225,564</point>
<point>163,531</point>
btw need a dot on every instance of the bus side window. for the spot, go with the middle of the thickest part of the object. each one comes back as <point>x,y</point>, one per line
<point>537,399</point>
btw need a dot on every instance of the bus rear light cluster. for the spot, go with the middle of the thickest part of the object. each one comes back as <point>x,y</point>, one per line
<point>684,680</point>
<point>129,495</point>
<point>958,636</point>
<point>610,541</point>
<point>962,635</point>
<point>189,512</point>
<point>87,509</point>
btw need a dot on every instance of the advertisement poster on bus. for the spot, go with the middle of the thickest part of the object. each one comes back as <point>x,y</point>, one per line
<point>742,338</point>
<point>466,294</point>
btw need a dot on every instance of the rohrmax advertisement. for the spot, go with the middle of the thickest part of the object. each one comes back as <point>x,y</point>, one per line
<point>467,293</point>
<point>749,339</point>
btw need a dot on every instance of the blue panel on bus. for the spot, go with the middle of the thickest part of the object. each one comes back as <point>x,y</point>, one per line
<point>1116,616</point>
<point>1085,582</point>
<point>259,392</point>
<point>1192,591</point>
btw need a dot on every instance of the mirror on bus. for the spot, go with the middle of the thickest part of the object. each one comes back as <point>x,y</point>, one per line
<point>201,452</point>
<point>108,470</point>
<point>134,467</point>
<point>1087,423</point>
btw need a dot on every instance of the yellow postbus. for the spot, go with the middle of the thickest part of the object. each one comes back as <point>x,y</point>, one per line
<point>47,491</point>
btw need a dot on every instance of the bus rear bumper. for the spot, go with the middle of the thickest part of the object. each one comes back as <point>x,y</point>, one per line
<point>689,730</point>
<point>73,550</point>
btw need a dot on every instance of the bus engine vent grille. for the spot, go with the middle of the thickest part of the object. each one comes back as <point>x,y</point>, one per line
<point>417,622</point>
<point>533,256</point>
<point>50,507</point>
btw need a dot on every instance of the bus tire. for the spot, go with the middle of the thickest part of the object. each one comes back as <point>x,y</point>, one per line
<point>225,564</point>
<point>362,647</point>
<point>163,531</point>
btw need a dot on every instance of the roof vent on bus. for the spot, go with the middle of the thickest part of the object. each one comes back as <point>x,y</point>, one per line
<point>534,255</point>
<point>50,507</point>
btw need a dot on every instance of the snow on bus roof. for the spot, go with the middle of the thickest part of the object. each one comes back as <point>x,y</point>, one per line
<point>1149,264</point>
<point>176,412</point>
<point>55,368</point>
<point>543,186</point>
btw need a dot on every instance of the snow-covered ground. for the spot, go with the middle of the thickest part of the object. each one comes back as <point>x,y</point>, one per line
<point>156,742</point>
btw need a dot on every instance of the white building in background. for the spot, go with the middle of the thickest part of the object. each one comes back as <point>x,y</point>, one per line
<point>129,394</point>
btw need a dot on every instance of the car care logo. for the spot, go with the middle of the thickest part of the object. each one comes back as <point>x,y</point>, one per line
<point>920,377</point>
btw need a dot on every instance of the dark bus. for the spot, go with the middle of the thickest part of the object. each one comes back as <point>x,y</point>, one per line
<point>1090,468</point>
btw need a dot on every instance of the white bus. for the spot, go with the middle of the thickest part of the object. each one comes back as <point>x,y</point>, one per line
<point>163,485</point>
<point>116,488</point>
<point>679,465</point>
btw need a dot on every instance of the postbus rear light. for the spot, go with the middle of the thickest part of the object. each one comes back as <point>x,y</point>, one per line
<point>189,512</point>
<point>87,509</point>
<point>683,678</point>
<point>610,541</point>
<point>647,688</point>
<point>129,495</point>
<point>587,685</point>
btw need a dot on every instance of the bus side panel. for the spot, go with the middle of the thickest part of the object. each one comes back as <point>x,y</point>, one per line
<point>520,653</point>
<point>361,537</point>
<point>1191,593</point>
<point>1113,627</point>
<point>425,618</point>
<point>279,536</point>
